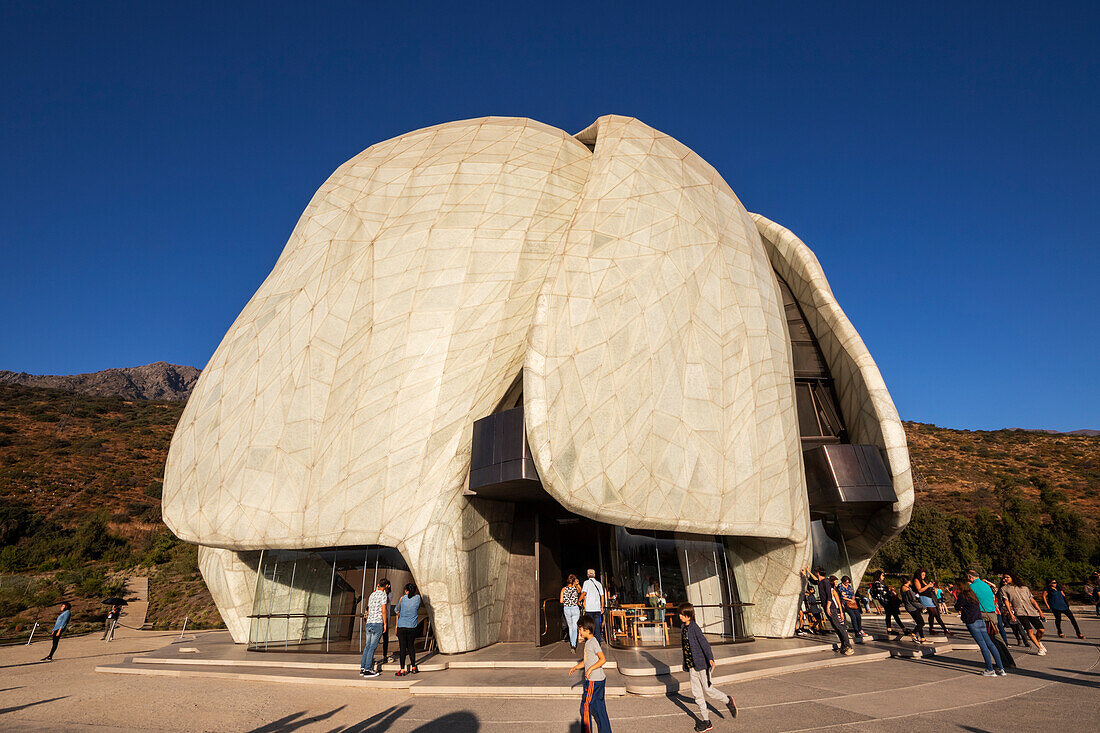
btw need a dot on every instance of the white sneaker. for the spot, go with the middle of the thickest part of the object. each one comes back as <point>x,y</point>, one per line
<point>988,673</point>
<point>1002,673</point>
<point>1042,651</point>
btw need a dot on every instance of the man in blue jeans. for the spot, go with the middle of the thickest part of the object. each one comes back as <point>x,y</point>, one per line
<point>374,628</point>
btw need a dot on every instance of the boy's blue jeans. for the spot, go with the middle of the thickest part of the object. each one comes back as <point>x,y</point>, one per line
<point>594,707</point>
<point>372,634</point>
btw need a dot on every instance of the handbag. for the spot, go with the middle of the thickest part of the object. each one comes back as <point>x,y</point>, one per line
<point>851,603</point>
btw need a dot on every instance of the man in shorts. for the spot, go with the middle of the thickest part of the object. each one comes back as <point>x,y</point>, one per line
<point>1023,607</point>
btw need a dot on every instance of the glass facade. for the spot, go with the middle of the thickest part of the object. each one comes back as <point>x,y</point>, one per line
<point>312,600</point>
<point>650,573</point>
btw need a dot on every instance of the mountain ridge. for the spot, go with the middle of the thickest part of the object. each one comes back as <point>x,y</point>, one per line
<point>159,381</point>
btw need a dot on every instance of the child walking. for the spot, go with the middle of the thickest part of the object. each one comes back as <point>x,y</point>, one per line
<point>698,661</point>
<point>592,700</point>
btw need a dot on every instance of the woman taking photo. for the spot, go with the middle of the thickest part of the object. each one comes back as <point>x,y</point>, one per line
<point>927,592</point>
<point>571,597</point>
<point>408,608</point>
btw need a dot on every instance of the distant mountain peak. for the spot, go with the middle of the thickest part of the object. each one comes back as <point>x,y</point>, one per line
<point>157,381</point>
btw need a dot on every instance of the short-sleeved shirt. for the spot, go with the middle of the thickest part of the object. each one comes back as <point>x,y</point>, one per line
<point>846,592</point>
<point>570,595</point>
<point>1057,599</point>
<point>984,593</point>
<point>593,589</point>
<point>376,607</point>
<point>407,614</point>
<point>1020,598</point>
<point>591,656</point>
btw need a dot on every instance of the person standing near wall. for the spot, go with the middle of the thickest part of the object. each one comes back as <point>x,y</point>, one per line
<point>59,627</point>
<point>851,607</point>
<point>594,602</point>
<point>408,610</point>
<point>374,628</point>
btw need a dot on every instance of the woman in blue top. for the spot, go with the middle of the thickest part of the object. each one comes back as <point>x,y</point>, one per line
<point>408,607</point>
<point>1055,600</point>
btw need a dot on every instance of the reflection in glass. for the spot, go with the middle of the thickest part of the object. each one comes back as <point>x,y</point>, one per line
<point>313,599</point>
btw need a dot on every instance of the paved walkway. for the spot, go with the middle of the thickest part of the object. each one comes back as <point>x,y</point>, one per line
<point>1055,692</point>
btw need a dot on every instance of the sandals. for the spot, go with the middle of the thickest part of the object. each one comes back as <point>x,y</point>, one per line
<point>400,673</point>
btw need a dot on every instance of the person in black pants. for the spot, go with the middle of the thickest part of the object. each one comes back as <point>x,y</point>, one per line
<point>830,601</point>
<point>386,634</point>
<point>1057,604</point>
<point>892,604</point>
<point>916,611</point>
<point>59,627</point>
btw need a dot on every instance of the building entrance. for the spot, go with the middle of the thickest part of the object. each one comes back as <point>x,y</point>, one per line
<point>646,575</point>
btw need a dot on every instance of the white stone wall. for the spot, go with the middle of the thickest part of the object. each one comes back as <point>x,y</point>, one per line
<point>616,270</point>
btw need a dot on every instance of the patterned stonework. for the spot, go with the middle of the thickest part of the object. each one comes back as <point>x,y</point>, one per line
<point>616,270</point>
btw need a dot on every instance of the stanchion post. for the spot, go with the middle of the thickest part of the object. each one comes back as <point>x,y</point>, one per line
<point>33,629</point>
<point>184,629</point>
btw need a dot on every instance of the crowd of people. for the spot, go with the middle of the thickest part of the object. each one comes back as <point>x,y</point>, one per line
<point>829,605</point>
<point>986,608</point>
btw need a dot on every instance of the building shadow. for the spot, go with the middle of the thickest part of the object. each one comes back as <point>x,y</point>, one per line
<point>17,708</point>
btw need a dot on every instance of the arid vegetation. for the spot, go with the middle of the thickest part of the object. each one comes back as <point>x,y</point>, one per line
<point>80,505</point>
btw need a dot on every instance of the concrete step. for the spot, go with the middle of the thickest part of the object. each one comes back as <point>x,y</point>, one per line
<point>324,677</point>
<point>752,670</point>
<point>465,682</point>
<point>271,661</point>
<point>655,668</point>
<point>512,683</point>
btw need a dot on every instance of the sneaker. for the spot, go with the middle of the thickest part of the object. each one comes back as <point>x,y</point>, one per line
<point>1042,651</point>
<point>988,673</point>
<point>1002,673</point>
<point>732,706</point>
<point>1061,636</point>
<point>848,651</point>
<point>368,673</point>
<point>703,725</point>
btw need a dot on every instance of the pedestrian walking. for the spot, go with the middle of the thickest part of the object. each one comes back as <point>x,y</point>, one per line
<point>698,663</point>
<point>374,628</point>
<point>595,601</point>
<point>570,598</point>
<point>593,704</point>
<point>1057,604</point>
<point>830,602</point>
<point>969,608</point>
<point>1023,608</point>
<point>59,627</point>
<point>408,610</point>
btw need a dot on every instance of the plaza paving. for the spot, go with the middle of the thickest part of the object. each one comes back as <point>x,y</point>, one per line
<point>1055,692</point>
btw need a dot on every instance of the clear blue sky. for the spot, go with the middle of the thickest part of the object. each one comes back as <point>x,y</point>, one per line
<point>941,159</point>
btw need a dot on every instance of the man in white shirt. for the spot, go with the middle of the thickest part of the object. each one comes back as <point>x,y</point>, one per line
<point>594,601</point>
